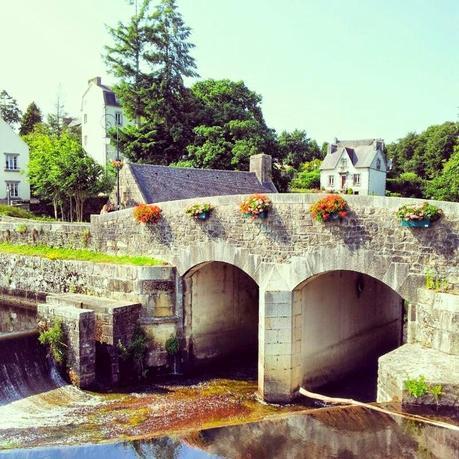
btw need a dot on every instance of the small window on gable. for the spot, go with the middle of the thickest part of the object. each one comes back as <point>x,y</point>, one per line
<point>343,162</point>
<point>331,180</point>
<point>118,118</point>
<point>11,162</point>
<point>378,164</point>
<point>85,118</point>
<point>356,179</point>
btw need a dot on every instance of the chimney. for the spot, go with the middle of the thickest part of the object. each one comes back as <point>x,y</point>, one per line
<point>262,166</point>
<point>96,80</point>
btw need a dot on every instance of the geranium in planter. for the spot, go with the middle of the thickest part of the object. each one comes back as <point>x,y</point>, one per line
<point>147,213</point>
<point>256,206</point>
<point>332,207</point>
<point>117,164</point>
<point>418,215</point>
<point>200,211</point>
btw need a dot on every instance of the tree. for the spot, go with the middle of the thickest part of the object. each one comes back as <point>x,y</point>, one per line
<point>31,117</point>
<point>60,171</point>
<point>231,126</point>
<point>308,176</point>
<point>150,57</point>
<point>296,148</point>
<point>56,120</point>
<point>9,109</point>
<point>446,185</point>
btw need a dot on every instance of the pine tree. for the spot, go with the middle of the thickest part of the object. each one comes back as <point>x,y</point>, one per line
<point>31,117</point>
<point>9,110</point>
<point>151,56</point>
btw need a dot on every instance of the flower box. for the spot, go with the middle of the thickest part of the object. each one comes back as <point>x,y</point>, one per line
<point>331,208</point>
<point>200,211</point>
<point>416,223</point>
<point>147,213</point>
<point>418,215</point>
<point>256,206</point>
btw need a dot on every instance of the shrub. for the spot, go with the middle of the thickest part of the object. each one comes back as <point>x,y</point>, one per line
<point>52,335</point>
<point>255,205</point>
<point>424,211</point>
<point>21,228</point>
<point>196,210</point>
<point>147,213</point>
<point>329,208</point>
<point>306,180</point>
<point>172,345</point>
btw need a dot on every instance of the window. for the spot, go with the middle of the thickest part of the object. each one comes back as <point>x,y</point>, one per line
<point>378,164</point>
<point>12,189</point>
<point>118,119</point>
<point>85,140</point>
<point>85,118</point>
<point>11,162</point>
<point>344,162</point>
<point>356,179</point>
<point>331,180</point>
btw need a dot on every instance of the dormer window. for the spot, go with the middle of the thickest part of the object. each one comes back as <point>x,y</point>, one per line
<point>343,163</point>
<point>378,164</point>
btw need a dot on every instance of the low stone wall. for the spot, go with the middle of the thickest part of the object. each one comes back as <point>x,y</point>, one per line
<point>156,288</point>
<point>24,231</point>
<point>17,315</point>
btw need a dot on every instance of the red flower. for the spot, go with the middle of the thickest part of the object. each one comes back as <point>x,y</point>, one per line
<point>147,213</point>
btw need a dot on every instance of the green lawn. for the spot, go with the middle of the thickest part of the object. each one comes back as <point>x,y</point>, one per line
<point>56,253</point>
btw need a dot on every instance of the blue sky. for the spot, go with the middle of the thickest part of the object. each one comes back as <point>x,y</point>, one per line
<point>345,68</point>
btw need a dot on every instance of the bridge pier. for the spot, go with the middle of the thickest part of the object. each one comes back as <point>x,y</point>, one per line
<point>279,354</point>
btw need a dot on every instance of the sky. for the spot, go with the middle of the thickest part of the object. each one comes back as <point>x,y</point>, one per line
<point>335,68</point>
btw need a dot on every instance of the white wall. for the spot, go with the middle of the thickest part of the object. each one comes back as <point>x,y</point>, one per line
<point>93,132</point>
<point>221,311</point>
<point>10,142</point>
<point>377,178</point>
<point>342,329</point>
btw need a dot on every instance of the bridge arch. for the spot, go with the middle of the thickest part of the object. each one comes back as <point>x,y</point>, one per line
<point>220,308</point>
<point>347,319</point>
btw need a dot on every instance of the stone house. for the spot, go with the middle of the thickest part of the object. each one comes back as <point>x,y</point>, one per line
<point>100,111</point>
<point>148,183</point>
<point>357,165</point>
<point>15,156</point>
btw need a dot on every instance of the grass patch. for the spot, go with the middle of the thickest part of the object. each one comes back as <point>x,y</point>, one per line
<point>58,253</point>
<point>19,212</point>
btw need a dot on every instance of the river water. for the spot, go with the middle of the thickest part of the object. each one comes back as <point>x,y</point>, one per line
<point>211,415</point>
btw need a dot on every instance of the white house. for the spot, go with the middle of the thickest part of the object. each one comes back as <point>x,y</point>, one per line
<point>15,156</point>
<point>100,111</point>
<point>357,165</point>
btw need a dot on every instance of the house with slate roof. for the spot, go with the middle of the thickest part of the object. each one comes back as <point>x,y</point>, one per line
<point>100,111</point>
<point>149,183</point>
<point>359,166</point>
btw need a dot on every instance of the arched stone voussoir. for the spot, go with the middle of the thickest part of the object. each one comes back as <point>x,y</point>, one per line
<point>219,251</point>
<point>369,262</point>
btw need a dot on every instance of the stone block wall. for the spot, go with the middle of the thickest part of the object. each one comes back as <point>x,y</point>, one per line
<point>23,231</point>
<point>79,327</point>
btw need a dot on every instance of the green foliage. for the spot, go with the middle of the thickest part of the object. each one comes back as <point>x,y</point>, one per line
<point>135,351</point>
<point>418,387</point>
<point>199,208</point>
<point>172,345</point>
<point>295,148</point>
<point>9,109</point>
<point>31,117</point>
<point>446,185</point>
<point>21,228</point>
<point>53,337</point>
<point>433,281</point>
<point>424,211</point>
<point>59,170</point>
<point>17,212</point>
<point>59,253</point>
<point>150,56</point>
<point>408,184</point>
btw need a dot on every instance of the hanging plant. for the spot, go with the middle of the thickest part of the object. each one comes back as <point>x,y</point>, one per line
<point>117,164</point>
<point>147,213</point>
<point>332,207</point>
<point>200,211</point>
<point>256,206</point>
<point>418,215</point>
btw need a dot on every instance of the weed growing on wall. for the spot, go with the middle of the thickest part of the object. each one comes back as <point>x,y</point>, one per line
<point>52,335</point>
<point>418,387</point>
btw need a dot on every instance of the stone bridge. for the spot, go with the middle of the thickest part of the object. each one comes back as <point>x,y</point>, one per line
<point>317,297</point>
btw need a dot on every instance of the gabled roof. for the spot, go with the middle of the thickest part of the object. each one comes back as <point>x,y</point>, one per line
<point>361,153</point>
<point>164,183</point>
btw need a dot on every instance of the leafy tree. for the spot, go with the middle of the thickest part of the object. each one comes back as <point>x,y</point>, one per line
<point>31,117</point>
<point>308,176</point>
<point>296,148</point>
<point>9,109</point>
<point>446,185</point>
<point>150,57</point>
<point>408,184</point>
<point>60,171</point>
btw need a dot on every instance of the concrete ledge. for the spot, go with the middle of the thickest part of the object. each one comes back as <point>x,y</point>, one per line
<point>411,361</point>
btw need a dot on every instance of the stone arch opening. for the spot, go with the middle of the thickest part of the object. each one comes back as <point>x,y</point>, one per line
<point>220,314</point>
<point>348,320</point>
